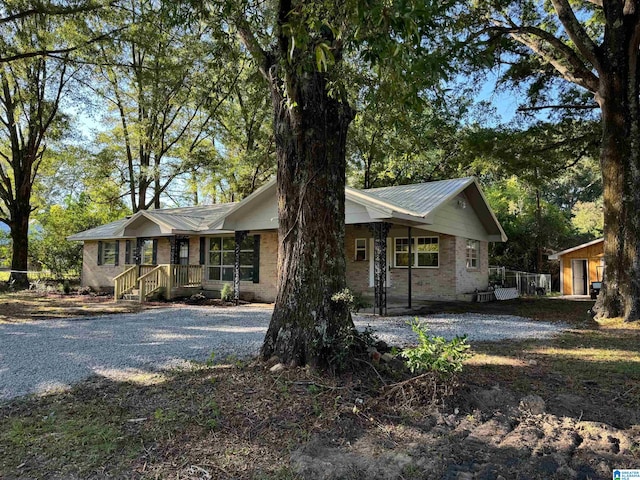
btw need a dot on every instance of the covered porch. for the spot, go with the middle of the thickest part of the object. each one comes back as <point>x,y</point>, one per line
<point>182,277</point>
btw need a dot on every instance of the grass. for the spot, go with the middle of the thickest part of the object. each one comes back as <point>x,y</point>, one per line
<point>213,418</point>
<point>242,421</point>
<point>600,363</point>
<point>30,305</point>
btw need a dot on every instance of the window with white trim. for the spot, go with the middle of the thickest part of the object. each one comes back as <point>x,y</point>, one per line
<point>473,250</point>
<point>361,249</point>
<point>222,258</point>
<point>425,252</point>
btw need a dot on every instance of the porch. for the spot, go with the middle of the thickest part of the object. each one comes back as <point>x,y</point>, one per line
<point>141,282</point>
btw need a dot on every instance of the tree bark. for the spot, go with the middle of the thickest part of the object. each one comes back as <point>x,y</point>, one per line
<point>20,244</point>
<point>307,326</point>
<point>620,163</point>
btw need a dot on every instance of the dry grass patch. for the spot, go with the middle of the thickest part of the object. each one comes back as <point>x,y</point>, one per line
<point>27,306</point>
<point>227,421</point>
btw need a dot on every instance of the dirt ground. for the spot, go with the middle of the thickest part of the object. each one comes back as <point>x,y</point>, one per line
<point>21,306</point>
<point>559,408</point>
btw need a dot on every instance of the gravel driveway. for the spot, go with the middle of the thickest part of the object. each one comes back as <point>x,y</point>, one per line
<point>40,356</point>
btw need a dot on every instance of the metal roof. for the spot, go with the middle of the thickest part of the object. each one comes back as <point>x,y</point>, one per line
<point>409,202</point>
<point>420,198</point>
<point>180,219</point>
<point>573,249</point>
<point>102,232</point>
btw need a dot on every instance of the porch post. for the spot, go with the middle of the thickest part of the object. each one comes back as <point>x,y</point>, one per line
<point>240,236</point>
<point>173,249</point>
<point>380,231</point>
<point>409,267</point>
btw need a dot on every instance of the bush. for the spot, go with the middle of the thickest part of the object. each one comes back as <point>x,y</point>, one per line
<point>436,353</point>
<point>66,287</point>
<point>354,301</point>
<point>227,293</point>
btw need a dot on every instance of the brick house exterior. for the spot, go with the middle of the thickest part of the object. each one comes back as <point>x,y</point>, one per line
<point>444,227</point>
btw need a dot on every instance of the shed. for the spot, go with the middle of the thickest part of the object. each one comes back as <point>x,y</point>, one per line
<point>580,266</point>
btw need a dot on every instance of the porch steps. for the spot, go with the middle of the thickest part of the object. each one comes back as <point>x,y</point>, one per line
<point>132,296</point>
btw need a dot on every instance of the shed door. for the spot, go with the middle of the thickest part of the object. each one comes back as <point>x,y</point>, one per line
<point>579,273</point>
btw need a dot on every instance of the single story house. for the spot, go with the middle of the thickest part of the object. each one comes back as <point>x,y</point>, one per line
<point>580,266</point>
<point>423,242</point>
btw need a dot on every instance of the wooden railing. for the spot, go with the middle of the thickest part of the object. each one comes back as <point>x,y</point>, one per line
<point>186,275</point>
<point>144,269</point>
<point>153,281</point>
<point>125,282</point>
<point>151,278</point>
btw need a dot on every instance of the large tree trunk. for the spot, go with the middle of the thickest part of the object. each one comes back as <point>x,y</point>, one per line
<point>20,243</point>
<point>620,162</point>
<point>307,326</point>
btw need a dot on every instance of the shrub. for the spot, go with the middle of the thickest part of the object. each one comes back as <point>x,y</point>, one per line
<point>66,287</point>
<point>226,294</point>
<point>436,353</point>
<point>354,301</point>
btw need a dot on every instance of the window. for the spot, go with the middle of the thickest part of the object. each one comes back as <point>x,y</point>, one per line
<point>183,252</point>
<point>402,252</point>
<point>428,251</point>
<point>425,252</point>
<point>473,247</point>
<point>222,258</point>
<point>361,249</point>
<point>147,252</point>
<point>108,253</point>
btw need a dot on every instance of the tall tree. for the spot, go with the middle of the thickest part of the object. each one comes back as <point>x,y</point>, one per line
<point>245,155</point>
<point>164,80</point>
<point>592,44</point>
<point>32,91</point>
<point>542,157</point>
<point>302,49</point>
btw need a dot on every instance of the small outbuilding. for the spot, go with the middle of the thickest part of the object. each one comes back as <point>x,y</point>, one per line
<point>581,267</point>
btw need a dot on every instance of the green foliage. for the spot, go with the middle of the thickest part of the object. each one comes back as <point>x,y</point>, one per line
<point>244,156</point>
<point>436,353</point>
<point>588,218</point>
<point>5,249</point>
<point>211,360</point>
<point>49,245</point>
<point>227,293</point>
<point>354,301</point>
<point>167,76</point>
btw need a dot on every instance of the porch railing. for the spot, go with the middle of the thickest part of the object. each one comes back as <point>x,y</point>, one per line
<point>186,275</point>
<point>126,282</point>
<point>148,279</point>
<point>153,281</point>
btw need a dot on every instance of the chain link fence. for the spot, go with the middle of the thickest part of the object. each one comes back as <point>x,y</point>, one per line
<point>526,283</point>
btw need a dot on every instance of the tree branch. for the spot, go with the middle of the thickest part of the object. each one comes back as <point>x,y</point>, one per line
<point>577,33</point>
<point>571,107</point>
<point>47,53</point>
<point>50,9</point>
<point>248,39</point>
<point>561,56</point>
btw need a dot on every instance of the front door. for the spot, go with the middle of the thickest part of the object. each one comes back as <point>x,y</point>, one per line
<point>181,251</point>
<point>579,274</point>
